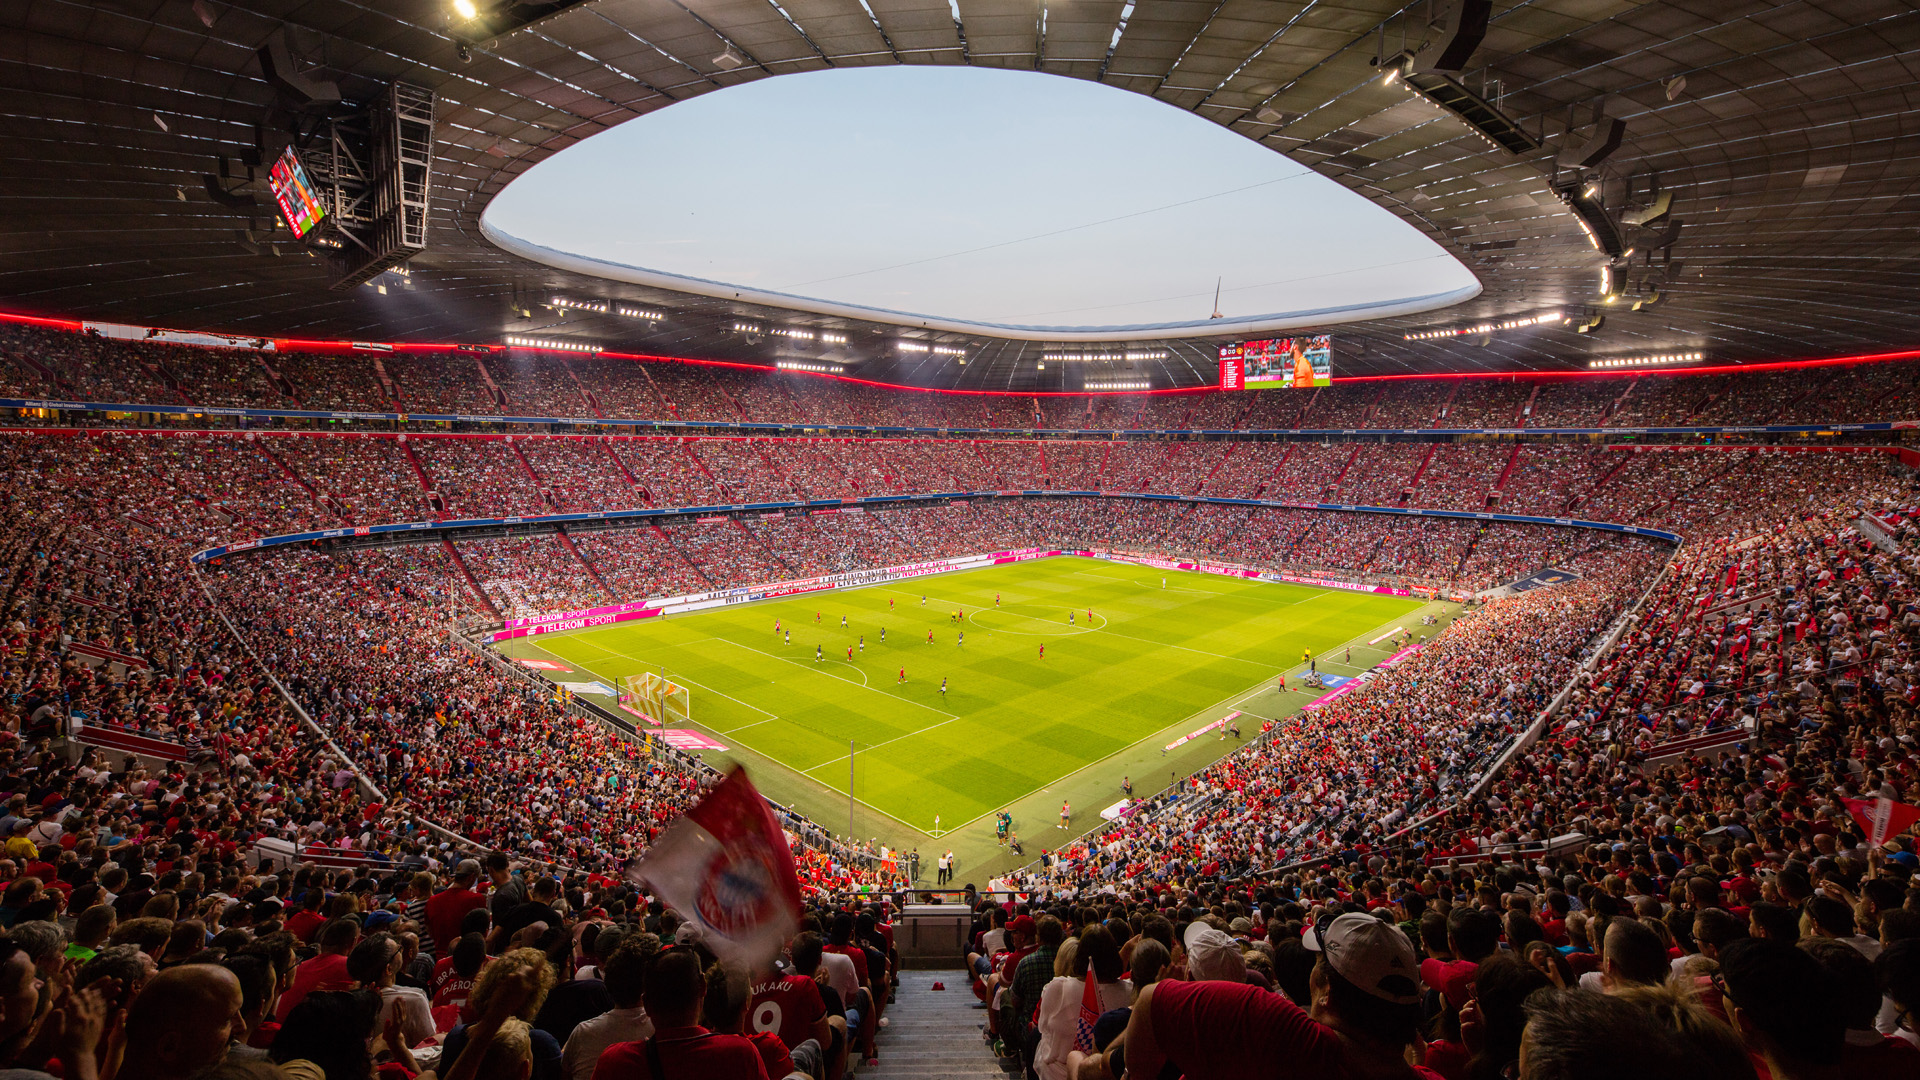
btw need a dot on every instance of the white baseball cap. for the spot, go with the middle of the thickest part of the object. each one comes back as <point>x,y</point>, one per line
<point>1370,954</point>
<point>1213,956</point>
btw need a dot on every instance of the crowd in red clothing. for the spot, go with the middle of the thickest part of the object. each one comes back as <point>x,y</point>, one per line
<point>1503,808</point>
<point>45,363</point>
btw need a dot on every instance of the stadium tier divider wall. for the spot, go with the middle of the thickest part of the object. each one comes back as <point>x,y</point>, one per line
<point>686,427</point>
<point>425,530</point>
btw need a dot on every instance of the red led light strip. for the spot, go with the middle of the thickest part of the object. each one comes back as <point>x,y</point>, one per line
<point>318,345</point>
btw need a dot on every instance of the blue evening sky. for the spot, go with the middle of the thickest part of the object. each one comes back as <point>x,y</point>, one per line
<point>970,193</point>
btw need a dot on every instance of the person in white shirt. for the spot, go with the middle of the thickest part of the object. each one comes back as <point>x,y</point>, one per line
<point>1094,950</point>
<point>841,975</point>
<point>375,964</point>
<point>623,973</point>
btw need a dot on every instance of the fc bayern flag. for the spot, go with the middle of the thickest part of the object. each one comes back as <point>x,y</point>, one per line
<point>1882,818</point>
<point>1089,1015</point>
<point>725,867</point>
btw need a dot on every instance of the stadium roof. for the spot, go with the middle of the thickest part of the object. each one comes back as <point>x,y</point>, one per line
<point>1788,153</point>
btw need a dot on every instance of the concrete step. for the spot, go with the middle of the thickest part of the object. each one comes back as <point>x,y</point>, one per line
<point>935,1034</point>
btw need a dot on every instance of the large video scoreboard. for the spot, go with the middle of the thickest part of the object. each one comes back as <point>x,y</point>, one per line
<point>1277,363</point>
<point>299,204</point>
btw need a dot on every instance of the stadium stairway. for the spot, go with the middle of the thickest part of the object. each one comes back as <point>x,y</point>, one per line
<point>934,1034</point>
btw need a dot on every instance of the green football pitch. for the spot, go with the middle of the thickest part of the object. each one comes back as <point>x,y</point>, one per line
<point>1159,652</point>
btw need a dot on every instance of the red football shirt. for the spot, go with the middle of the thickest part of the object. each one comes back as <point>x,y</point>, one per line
<point>789,1007</point>
<point>328,971</point>
<point>303,923</point>
<point>1233,1031</point>
<point>684,1051</point>
<point>444,912</point>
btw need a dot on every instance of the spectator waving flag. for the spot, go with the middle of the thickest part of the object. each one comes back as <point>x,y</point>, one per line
<point>1882,818</point>
<point>1089,1015</point>
<point>726,868</point>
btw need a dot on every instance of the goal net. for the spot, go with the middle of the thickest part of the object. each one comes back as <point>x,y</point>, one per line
<point>656,699</point>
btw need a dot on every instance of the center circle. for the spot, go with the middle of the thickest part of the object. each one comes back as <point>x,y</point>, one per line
<point>1052,625</point>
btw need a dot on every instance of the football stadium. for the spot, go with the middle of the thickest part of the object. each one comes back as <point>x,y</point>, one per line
<point>808,539</point>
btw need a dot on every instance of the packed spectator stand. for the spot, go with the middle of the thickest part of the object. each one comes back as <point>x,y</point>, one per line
<point>41,363</point>
<point>371,830</point>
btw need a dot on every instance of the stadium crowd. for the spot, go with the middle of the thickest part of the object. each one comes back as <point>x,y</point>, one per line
<point>48,363</point>
<point>419,867</point>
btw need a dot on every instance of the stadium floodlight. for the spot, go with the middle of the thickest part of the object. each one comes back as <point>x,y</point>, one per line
<point>829,338</point>
<point>809,365</point>
<point>523,341</point>
<point>729,59</point>
<point>1131,355</point>
<point>912,347</point>
<point>486,20</point>
<point>1485,328</point>
<point>1104,386</point>
<point>1648,361</point>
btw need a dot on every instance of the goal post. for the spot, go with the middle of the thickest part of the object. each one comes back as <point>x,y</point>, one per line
<point>655,698</point>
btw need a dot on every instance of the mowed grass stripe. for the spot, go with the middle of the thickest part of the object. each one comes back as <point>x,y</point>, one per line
<point>1155,657</point>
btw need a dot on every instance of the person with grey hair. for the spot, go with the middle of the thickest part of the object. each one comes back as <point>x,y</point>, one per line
<point>129,965</point>
<point>45,942</point>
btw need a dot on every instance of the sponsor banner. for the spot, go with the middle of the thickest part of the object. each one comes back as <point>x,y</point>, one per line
<point>1331,583</point>
<point>1148,560</point>
<point>1346,686</point>
<point>514,624</point>
<point>1335,682</point>
<point>1398,657</point>
<point>1192,735</point>
<point>580,623</point>
<point>587,688</point>
<point>688,739</point>
<point>1552,575</point>
<point>715,520</point>
<point>1123,808</point>
<point>1004,557</point>
<point>546,665</point>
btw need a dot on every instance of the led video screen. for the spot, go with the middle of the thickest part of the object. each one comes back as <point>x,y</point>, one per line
<point>291,189</point>
<point>1277,363</point>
